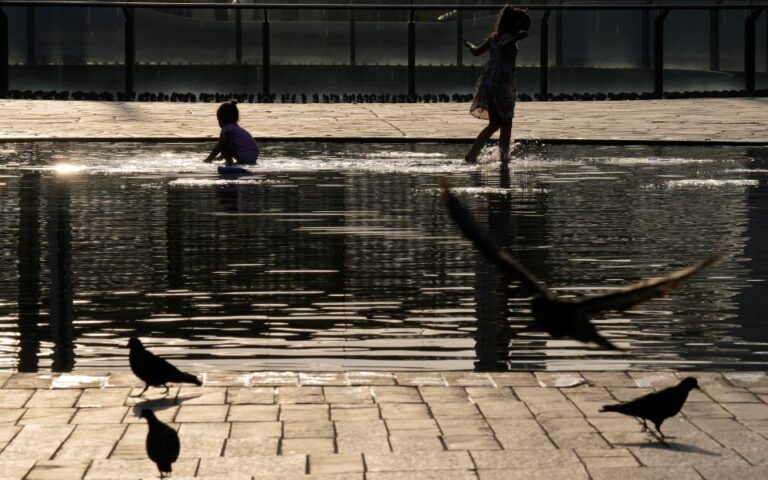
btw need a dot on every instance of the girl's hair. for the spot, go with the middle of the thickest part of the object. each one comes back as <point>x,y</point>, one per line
<point>228,113</point>
<point>511,21</point>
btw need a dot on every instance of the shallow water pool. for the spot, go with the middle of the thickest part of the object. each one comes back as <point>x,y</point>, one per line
<point>339,256</point>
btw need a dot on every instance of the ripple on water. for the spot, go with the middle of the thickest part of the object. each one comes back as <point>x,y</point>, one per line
<point>404,154</point>
<point>711,183</point>
<point>746,170</point>
<point>212,182</point>
<point>656,161</point>
<point>478,191</point>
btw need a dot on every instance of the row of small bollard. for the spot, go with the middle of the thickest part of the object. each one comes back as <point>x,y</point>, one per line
<point>189,97</point>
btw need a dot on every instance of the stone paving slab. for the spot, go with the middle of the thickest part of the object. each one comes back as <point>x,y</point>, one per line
<point>383,426</point>
<point>731,120</point>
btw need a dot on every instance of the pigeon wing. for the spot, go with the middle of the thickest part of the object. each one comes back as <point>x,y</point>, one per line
<point>173,374</point>
<point>654,406</point>
<point>586,332</point>
<point>643,407</point>
<point>487,246</point>
<point>644,290</point>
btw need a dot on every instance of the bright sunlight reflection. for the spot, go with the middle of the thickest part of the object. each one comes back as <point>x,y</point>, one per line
<point>67,168</point>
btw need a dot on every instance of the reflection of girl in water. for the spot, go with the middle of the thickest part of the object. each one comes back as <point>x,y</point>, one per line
<point>495,90</point>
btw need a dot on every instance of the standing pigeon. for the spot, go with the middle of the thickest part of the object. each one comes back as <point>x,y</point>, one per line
<point>656,406</point>
<point>153,370</point>
<point>558,316</point>
<point>162,443</point>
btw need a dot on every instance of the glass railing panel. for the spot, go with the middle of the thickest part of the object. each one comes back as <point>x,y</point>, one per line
<point>65,48</point>
<point>185,37</point>
<point>593,51</point>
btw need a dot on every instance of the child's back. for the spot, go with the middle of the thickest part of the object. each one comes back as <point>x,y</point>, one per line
<point>241,142</point>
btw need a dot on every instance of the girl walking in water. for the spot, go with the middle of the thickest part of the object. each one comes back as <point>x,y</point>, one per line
<point>495,90</point>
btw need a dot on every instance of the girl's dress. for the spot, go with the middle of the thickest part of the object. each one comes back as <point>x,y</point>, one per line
<point>495,90</point>
<point>242,142</point>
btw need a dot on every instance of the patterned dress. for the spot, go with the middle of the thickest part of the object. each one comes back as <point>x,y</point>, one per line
<point>495,90</point>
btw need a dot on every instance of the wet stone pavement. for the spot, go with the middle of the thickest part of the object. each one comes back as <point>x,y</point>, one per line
<point>384,426</point>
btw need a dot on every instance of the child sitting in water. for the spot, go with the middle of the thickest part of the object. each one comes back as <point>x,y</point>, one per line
<point>235,143</point>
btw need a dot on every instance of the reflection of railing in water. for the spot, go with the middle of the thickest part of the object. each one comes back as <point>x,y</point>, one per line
<point>128,9</point>
<point>29,271</point>
<point>60,314</point>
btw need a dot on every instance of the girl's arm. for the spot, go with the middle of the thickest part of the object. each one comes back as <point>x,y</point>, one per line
<point>475,50</point>
<point>216,150</point>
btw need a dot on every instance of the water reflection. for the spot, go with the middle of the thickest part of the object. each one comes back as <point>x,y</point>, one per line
<point>335,256</point>
<point>29,271</point>
<point>61,311</point>
<point>174,238</point>
<point>494,333</point>
<point>751,300</point>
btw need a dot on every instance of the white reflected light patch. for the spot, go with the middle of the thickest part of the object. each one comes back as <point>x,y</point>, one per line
<point>389,154</point>
<point>659,161</point>
<point>208,182</point>
<point>67,168</point>
<point>711,183</point>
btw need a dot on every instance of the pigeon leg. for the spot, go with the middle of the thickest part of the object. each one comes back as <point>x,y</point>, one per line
<point>167,389</point>
<point>645,426</point>
<point>146,387</point>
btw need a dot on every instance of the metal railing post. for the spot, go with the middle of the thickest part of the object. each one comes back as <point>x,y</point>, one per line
<point>714,40</point>
<point>31,44</point>
<point>3,51</point>
<point>750,47</point>
<point>544,55</point>
<point>658,53</point>
<point>459,38</point>
<point>130,49</point>
<point>265,54</point>
<point>239,36</point>
<point>352,38</point>
<point>412,54</point>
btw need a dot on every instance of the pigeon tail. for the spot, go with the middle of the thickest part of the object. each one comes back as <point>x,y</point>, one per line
<point>611,408</point>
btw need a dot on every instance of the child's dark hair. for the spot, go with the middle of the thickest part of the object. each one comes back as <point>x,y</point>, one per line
<point>511,21</point>
<point>228,113</point>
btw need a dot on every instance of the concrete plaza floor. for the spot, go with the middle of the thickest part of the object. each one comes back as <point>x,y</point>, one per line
<point>384,426</point>
<point>731,120</point>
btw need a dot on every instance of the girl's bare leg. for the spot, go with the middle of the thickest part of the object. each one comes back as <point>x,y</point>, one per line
<point>505,139</point>
<point>229,155</point>
<point>482,138</point>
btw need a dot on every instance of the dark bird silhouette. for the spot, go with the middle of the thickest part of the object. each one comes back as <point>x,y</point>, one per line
<point>562,317</point>
<point>656,406</point>
<point>153,370</point>
<point>162,443</point>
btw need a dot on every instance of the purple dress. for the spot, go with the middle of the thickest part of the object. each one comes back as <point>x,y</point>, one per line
<point>495,90</point>
<point>239,140</point>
